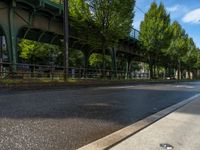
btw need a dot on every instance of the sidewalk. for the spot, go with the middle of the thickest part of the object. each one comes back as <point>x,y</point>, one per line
<point>181,129</point>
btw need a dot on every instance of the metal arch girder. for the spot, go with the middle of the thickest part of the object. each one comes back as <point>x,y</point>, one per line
<point>37,5</point>
<point>50,7</point>
<point>41,35</point>
<point>22,18</point>
<point>50,22</point>
<point>53,4</point>
<point>1,31</point>
<point>26,33</point>
<point>45,11</point>
<point>41,3</point>
<point>31,19</point>
<point>53,39</point>
<point>27,3</point>
<point>81,45</point>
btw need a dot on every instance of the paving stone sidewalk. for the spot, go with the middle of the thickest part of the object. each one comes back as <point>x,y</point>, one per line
<point>180,129</point>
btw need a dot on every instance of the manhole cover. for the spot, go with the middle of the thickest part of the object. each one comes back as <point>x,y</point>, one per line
<point>166,146</point>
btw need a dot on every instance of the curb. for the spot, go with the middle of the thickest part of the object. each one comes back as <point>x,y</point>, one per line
<point>120,135</point>
<point>36,86</point>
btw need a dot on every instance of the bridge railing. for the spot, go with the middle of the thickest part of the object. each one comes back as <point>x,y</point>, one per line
<point>54,3</point>
<point>57,1</point>
<point>134,34</point>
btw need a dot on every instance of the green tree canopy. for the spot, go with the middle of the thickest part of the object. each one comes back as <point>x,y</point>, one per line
<point>37,53</point>
<point>155,33</point>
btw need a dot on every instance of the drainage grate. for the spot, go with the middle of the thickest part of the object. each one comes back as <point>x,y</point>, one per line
<point>166,146</point>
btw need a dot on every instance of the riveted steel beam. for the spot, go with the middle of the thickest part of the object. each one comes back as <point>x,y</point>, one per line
<point>12,37</point>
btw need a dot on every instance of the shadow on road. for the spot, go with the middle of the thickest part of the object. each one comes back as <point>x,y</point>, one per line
<point>69,119</point>
<point>123,105</point>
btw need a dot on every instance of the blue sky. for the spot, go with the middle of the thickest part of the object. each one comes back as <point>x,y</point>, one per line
<point>186,12</point>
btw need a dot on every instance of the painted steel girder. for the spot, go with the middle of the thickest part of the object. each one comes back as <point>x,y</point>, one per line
<point>42,3</point>
<point>28,17</point>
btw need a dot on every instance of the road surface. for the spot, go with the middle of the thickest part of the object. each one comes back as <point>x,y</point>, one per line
<point>67,119</point>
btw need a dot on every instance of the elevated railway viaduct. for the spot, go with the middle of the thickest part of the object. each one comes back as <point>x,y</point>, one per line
<point>42,21</point>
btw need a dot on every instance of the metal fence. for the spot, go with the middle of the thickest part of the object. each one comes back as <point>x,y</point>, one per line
<point>32,71</point>
<point>134,34</point>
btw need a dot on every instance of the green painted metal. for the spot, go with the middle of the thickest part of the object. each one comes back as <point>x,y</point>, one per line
<point>86,59</point>
<point>42,3</point>
<point>22,19</point>
<point>1,31</point>
<point>114,61</point>
<point>128,62</point>
<point>12,37</point>
<point>58,5</point>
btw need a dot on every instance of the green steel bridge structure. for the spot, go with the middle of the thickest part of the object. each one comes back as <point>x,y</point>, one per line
<point>42,21</point>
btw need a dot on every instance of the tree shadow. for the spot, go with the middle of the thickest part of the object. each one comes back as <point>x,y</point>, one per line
<point>121,106</point>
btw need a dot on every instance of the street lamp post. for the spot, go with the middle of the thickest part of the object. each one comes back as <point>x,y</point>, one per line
<point>66,39</point>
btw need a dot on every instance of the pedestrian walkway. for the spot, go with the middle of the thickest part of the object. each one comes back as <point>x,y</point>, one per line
<point>179,130</point>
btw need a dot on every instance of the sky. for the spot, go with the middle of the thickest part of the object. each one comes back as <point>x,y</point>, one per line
<point>186,12</point>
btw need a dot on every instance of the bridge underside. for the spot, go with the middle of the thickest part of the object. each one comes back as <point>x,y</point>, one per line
<point>42,21</point>
<point>1,32</point>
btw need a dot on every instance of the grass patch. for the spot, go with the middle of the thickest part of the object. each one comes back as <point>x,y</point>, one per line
<point>82,81</point>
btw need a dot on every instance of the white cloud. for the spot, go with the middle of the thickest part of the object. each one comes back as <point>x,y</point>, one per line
<point>177,8</point>
<point>174,8</point>
<point>192,17</point>
<point>177,11</point>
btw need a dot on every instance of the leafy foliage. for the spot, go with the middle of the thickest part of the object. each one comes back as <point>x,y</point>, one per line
<point>95,61</point>
<point>97,23</point>
<point>113,18</point>
<point>155,34</point>
<point>38,53</point>
<point>100,24</point>
<point>166,44</point>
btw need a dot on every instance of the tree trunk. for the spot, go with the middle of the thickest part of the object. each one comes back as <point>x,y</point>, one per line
<point>179,69</point>
<point>195,76</point>
<point>86,58</point>
<point>103,58</point>
<point>114,62</point>
<point>151,71</point>
<point>166,72</point>
<point>182,75</point>
<point>157,68</point>
<point>189,76</point>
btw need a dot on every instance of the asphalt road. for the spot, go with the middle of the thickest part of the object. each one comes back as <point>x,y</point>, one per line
<point>67,119</point>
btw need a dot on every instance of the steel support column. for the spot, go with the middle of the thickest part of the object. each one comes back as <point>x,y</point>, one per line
<point>66,40</point>
<point>128,62</point>
<point>11,35</point>
<point>114,61</point>
<point>85,61</point>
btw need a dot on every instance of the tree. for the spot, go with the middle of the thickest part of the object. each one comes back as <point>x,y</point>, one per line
<point>75,58</point>
<point>155,34</point>
<point>178,45</point>
<point>37,53</point>
<point>95,61</point>
<point>191,56</point>
<point>196,66</point>
<point>113,19</point>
